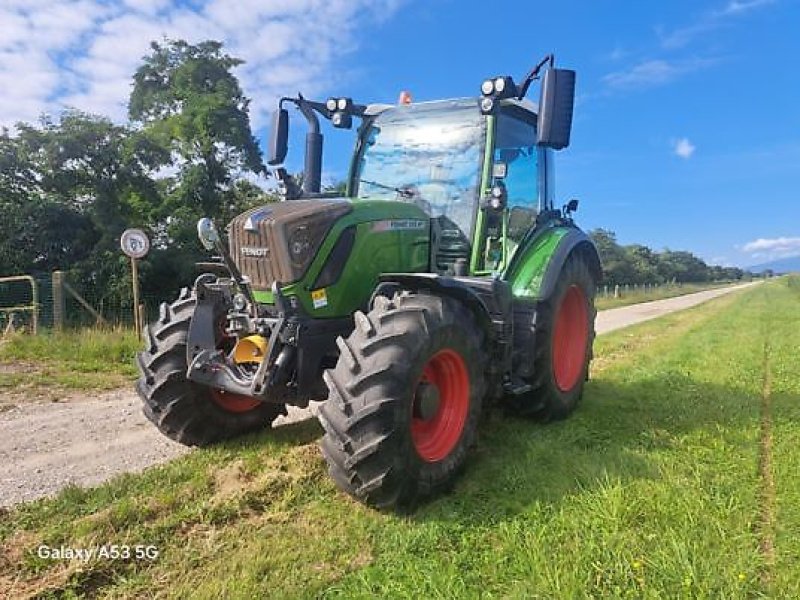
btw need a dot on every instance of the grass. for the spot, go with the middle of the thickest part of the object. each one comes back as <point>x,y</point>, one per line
<point>635,296</point>
<point>102,359</point>
<point>87,359</point>
<point>658,486</point>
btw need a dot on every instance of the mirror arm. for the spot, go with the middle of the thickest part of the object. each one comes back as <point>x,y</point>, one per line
<point>243,283</point>
<point>534,73</point>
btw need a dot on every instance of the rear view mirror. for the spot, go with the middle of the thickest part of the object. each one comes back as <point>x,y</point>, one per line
<point>278,137</point>
<point>555,108</point>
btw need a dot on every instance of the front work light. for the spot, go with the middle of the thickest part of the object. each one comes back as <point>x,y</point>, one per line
<point>499,87</point>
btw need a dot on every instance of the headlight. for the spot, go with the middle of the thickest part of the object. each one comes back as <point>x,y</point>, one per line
<point>300,245</point>
<point>487,87</point>
<point>342,104</point>
<point>487,104</point>
<point>330,104</point>
<point>499,85</point>
<point>239,302</point>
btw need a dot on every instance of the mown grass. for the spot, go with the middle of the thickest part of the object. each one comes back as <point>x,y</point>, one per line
<point>86,359</point>
<point>651,490</point>
<point>636,296</point>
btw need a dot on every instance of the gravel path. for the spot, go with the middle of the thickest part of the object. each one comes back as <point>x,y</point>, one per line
<point>45,446</point>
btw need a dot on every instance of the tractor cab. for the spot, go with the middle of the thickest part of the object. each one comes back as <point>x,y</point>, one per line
<point>480,169</point>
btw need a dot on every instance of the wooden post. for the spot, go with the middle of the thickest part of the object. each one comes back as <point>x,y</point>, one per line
<point>142,320</point>
<point>135,283</point>
<point>59,305</point>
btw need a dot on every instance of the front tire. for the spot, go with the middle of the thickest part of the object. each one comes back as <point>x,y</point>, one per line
<point>404,399</point>
<point>183,410</point>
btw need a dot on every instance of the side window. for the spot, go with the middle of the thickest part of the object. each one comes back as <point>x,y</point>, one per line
<point>516,160</point>
<point>516,163</point>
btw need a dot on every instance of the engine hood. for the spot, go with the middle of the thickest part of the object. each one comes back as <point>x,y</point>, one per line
<point>277,242</point>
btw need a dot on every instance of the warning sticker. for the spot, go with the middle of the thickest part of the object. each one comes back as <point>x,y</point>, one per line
<point>319,298</point>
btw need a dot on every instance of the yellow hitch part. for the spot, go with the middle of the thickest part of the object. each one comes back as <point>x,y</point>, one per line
<point>251,349</point>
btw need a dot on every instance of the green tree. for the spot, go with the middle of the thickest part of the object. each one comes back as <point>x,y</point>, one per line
<point>187,100</point>
<point>617,269</point>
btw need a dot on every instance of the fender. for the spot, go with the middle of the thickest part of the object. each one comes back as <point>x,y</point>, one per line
<point>536,266</point>
<point>488,298</point>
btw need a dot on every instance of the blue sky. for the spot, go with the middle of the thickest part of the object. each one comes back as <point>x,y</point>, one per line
<point>687,125</point>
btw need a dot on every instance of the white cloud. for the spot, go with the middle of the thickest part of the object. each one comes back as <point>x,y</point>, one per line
<point>656,72</point>
<point>773,248</point>
<point>738,7</point>
<point>678,38</point>
<point>83,53</point>
<point>708,22</point>
<point>683,148</point>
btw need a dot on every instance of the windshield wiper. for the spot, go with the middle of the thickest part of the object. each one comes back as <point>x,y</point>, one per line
<point>405,192</point>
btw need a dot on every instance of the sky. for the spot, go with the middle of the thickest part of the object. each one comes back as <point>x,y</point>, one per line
<point>687,121</point>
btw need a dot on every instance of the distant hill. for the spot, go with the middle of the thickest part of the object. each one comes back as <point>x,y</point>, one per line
<point>783,265</point>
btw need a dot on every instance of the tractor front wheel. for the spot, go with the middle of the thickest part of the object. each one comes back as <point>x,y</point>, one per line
<point>404,399</point>
<point>183,410</point>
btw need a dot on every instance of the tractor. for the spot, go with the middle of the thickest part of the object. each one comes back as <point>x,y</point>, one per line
<point>443,282</point>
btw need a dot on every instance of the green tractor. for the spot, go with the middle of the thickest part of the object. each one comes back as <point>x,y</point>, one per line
<point>444,281</point>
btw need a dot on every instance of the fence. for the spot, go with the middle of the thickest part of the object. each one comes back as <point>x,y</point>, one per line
<point>45,301</point>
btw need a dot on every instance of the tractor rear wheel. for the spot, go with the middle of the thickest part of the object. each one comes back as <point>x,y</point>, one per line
<point>564,335</point>
<point>404,399</point>
<point>183,410</point>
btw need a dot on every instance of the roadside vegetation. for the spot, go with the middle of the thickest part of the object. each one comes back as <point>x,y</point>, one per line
<point>641,294</point>
<point>638,264</point>
<point>86,360</point>
<point>678,476</point>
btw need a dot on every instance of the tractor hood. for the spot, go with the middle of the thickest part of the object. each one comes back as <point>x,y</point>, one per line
<point>277,242</point>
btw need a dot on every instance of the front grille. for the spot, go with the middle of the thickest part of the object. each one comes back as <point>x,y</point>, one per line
<point>259,239</point>
<point>258,268</point>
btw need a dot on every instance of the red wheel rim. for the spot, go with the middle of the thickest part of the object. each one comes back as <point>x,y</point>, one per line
<point>235,403</point>
<point>436,436</point>
<point>570,336</point>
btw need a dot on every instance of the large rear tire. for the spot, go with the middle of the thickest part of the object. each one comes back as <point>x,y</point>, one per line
<point>564,336</point>
<point>404,399</point>
<point>185,411</point>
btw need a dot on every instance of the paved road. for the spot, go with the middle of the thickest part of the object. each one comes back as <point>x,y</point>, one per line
<point>46,446</point>
<point>617,318</point>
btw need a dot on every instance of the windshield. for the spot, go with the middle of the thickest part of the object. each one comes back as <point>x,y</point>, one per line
<point>429,154</point>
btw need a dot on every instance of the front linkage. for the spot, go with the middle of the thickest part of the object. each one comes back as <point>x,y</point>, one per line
<point>279,352</point>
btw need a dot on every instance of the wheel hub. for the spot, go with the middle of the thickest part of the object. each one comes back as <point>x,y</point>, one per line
<point>426,401</point>
<point>570,338</point>
<point>440,406</point>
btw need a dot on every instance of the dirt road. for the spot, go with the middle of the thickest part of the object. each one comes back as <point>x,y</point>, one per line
<point>85,441</point>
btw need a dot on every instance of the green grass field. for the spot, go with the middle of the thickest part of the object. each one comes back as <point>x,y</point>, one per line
<point>87,359</point>
<point>91,360</point>
<point>677,477</point>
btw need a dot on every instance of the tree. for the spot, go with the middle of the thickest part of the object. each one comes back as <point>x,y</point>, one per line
<point>187,100</point>
<point>617,269</point>
<point>644,264</point>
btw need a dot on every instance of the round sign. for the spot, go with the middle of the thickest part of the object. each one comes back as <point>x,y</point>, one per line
<point>134,243</point>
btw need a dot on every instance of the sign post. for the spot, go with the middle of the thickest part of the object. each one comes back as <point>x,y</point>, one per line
<point>135,244</point>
